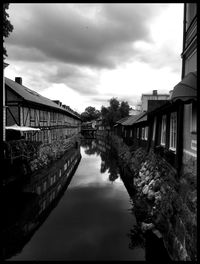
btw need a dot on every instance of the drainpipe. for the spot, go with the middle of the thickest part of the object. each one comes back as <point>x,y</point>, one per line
<point>179,154</point>
<point>4,104</point>
<point>184,37</point>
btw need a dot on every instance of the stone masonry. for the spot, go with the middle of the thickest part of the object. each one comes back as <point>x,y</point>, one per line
<point>169,204</point>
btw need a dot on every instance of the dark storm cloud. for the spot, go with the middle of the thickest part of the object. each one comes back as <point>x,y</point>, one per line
<point>64,33</point>
<point>76,78</point>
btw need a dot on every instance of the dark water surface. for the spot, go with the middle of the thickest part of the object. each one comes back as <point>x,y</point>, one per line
<point>92,219</point>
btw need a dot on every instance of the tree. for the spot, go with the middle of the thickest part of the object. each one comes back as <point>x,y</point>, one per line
<point>114,111</point>
<point>124,109</point>
<point>7,27</point>
<point>90,114</point>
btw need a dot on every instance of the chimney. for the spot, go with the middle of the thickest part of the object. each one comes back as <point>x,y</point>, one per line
<point>170,94</point>
<point>18,80</point>
<point>154,92</point>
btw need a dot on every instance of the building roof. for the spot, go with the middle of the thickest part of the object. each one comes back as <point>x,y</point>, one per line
<point>34,97</point>
<point>142,118</point>
<point>120,121</point>
<point>132,119</point>
<point>186,89</point>
<point>157,94</point>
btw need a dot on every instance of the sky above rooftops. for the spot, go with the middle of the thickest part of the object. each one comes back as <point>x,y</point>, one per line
<point>85,54</point>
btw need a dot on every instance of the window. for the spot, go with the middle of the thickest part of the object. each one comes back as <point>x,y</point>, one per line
<point>154,129</point>
<point>138,132</point>
<point>131,133</point>
<point>39,189</point>
<point>163,131</point>
<point>173,133</point>
<point>32,115</point>
<point>65,166</point>
<point>41,114</point>
<point>146,133</point>
<point>45,114</point>
<point>143,132</point>
<point>193,124</point>
<point>43,204</point>
<point>51,117</point>
<point>51,180</point>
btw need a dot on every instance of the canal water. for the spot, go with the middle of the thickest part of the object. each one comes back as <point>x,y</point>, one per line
<point>91,220</point>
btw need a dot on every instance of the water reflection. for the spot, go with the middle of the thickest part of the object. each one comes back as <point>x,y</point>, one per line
<point>26,209</point>
<point>92,221</point>
<point>108,156</point>
<point>149,243</point>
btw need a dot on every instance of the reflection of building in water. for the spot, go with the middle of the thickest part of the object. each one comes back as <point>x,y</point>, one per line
<point>49,182</point>
<point>45,189</point>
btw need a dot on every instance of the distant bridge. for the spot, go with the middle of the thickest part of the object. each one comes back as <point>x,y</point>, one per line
<point>88,132</point>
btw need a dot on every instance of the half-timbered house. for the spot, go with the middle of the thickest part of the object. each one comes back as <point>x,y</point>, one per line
<point>27,108</point>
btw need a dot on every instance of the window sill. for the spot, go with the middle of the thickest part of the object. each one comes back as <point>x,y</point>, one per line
<point>172,150</point>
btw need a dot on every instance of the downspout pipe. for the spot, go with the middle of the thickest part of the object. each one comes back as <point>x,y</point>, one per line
<point>184,37</point>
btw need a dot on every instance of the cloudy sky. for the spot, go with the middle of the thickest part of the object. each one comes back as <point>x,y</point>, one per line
<point>85,54</point>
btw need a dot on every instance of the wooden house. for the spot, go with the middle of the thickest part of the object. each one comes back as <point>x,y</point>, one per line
<point>135,130</point>
<point>27,108</point>
<point>118,128</point>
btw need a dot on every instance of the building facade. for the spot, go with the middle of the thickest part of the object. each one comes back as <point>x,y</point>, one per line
<point>186,90</point>
<point>26,108</point>
<point>170,126</point>
<point>154,96</point>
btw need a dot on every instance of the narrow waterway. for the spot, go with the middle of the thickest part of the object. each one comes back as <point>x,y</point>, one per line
<point>92,220</point>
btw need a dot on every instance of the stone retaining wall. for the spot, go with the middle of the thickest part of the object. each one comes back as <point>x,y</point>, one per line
<point>44,155</point>
<point>163,203</point>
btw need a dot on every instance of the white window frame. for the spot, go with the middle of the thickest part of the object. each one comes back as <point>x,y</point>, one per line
<point>173,131</point>
<point>154,128</point>
<point>193,118</point>
<point>65,166</point>
<point>146,133</point>
<point>163,130</point>
<point>54,178</point>
<point>143,133</point>
<point>131,133</point>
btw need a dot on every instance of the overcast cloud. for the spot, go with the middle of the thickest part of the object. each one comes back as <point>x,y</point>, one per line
<point>77,45</point>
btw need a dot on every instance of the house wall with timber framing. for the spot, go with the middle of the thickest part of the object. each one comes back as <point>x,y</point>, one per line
<point>54,123</point>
